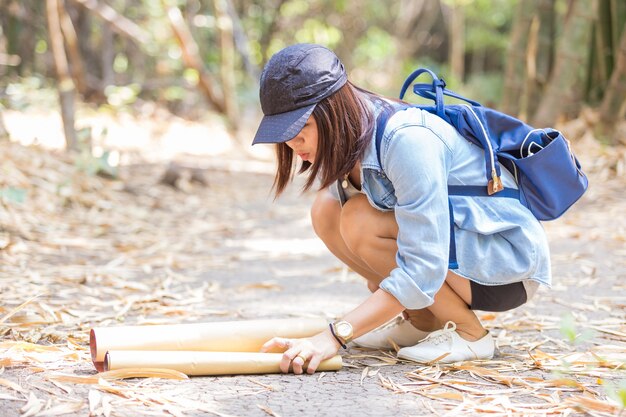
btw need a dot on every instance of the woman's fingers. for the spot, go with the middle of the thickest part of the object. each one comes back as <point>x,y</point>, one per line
<point>298,364</point>
<point>276,342</point>
<point>287,359</point>
<point>314,363</point>
<point>298,353</point>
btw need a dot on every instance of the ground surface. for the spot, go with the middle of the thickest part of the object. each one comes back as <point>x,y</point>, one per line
<point>98,252</point>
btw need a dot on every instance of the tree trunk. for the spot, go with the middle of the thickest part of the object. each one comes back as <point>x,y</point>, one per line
<point>138,63</point>
<point>615,95</point>
<point>241,43</point>
<point>457,42</point>
<point>65,83</point>
<point>567,80</point>
<point>28,15</point>
<point>4,133</point>
<point>227,61</point>
<point>71,39</point>
<point>516,57</point>
<point>411,31</point>
<point>191,58</point>
<point>84,23</point>
<point>540,56</point>
<point>10,29</point>
<point>271,29</point>
<point>107,57</point>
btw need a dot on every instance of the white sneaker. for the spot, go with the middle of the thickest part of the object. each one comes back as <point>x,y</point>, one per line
<point>446,346</point>
<point>401,331</point>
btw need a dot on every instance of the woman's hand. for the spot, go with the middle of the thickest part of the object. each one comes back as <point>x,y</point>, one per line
<point>313,350</point>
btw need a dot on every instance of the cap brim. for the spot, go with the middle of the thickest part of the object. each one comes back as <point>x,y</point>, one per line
<point>278,128</point>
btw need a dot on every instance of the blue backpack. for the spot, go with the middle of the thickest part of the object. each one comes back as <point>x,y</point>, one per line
<point>548,175</point>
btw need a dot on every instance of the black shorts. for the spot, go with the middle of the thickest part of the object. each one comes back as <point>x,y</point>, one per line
<point>497,297</point>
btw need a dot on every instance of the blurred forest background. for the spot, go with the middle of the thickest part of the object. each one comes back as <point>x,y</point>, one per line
<point>129,192</point>
<point>546,61</point>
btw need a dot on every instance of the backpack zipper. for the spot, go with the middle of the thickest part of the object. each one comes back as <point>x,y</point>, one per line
<point>495,184</point>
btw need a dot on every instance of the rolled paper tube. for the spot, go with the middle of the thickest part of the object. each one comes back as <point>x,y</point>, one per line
<point>206,363</point>
<point>225,336</point>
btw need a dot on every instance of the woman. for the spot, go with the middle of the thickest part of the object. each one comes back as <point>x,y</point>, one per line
<point>390,223</point>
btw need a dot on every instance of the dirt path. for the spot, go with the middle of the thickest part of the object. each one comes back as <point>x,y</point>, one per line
<point>99,252</point>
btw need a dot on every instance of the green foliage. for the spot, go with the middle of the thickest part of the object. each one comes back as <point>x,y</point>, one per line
<point>366,34</point>
<point>41,47</point>
<point>571,333</point>
<point>120,63</point>
<point>316,31</point>
<point>26,91</point>
<point>487,24</point>
<point>95,165</point>
<point>486,88</point>
<point>123,95</point>
<point>294,8</point>
<point>375,48</point>
<point>618,393</point>
<point>13,195</point>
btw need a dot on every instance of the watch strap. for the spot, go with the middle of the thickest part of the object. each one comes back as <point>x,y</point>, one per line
<point>340,340</point>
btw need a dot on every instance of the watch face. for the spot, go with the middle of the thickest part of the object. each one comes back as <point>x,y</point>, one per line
<point>344,329</point>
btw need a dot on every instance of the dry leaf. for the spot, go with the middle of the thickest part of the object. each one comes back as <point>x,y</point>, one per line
<point>10,384</point>
<point>32,407</point>
<point>94,397</point>
<point>121,374</point>
<point>268,410</point>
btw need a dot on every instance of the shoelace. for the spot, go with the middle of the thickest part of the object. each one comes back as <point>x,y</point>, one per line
<point>443,335</point>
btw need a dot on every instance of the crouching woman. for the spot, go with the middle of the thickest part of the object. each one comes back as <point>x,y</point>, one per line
<point>385,213</point>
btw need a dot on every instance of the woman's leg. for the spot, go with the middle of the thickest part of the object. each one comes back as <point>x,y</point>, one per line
<point>370,235</point>
<point>326,219</point>
<point>325,216</point>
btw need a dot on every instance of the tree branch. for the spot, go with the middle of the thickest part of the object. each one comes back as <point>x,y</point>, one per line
<point>191,57</point>
<point>116,21</point>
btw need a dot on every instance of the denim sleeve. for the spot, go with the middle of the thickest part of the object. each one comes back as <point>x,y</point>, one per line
<point>417,161</point>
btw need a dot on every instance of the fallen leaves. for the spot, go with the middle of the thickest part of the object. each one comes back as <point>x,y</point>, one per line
<point>120,374</point>
<point>80,251</point>
<point>10,384</point>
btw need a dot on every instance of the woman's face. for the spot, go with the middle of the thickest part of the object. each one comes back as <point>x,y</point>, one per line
<point>305,142</point>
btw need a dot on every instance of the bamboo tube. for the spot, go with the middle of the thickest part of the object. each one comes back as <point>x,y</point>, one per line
<point>205,363</point>
<point>230,336</point>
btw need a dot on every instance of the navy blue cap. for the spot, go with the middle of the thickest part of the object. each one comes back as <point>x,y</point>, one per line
<point>293,81</point>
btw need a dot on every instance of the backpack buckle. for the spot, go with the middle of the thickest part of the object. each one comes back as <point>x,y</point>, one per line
<point>495,184</point>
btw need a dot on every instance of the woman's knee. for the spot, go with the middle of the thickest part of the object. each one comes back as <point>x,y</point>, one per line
<point>325,214</point>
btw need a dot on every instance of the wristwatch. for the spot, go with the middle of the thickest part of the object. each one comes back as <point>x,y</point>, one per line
<point>342,330</point>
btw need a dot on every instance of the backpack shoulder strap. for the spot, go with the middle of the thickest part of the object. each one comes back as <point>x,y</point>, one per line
<point>460,190</point>
<point>381,124</point>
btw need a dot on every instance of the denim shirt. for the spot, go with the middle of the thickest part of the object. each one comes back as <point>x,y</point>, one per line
<point>498,240</point>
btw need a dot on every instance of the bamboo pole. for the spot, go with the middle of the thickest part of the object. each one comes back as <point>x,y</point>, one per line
<point>206,363</point>
<point>230,336</point>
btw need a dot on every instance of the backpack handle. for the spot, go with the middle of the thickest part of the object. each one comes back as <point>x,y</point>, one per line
<point>423,90</point>
<point>436,88</point>
<point>434,91</point>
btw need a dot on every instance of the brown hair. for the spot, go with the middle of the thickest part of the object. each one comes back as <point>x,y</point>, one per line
<point>345,124</point>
